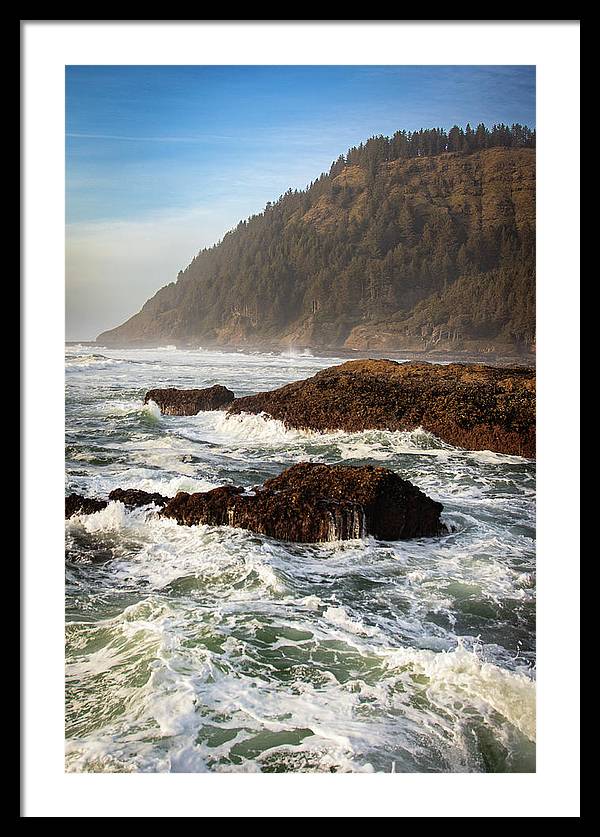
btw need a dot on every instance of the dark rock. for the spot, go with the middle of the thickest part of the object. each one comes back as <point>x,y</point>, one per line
<point>311,503</point>
<point>188,402</point>
<point>133,497</point>
<point>208,507</point>
<point>76,504</point>
<point>472,406</point>
<point>307,503</point>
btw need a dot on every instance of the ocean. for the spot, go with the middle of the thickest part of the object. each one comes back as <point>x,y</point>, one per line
<point>211,649</point>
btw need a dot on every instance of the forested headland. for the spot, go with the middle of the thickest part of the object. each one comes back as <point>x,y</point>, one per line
<point>422,241</point>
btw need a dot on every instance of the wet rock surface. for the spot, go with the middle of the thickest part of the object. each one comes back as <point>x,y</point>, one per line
<point>472,406</point>
<point>188,402</point>
<point>132,497</point>
<point>307,503</point>
<point>310,503</point>
<point>77,504</point>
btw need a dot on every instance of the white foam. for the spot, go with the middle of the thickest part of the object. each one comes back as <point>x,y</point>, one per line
<point>462,675</point>
<point>261,430</point>
<point>83,362</point>
<point>254,428</point>
<point>339,616</point>
<point>152,409</point>
<point>109,519</point>
<point>310,602</point>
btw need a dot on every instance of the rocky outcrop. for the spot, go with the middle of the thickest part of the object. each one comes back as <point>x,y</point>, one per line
<point>76,504</point>
<point>188,402</point>
<point>471,406</point>
<point>132,497</point>
<point>307,503</point>
<point>310,503</point>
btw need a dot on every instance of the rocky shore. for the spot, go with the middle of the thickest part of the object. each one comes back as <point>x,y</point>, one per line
<point>307,503</point>
<point>472,406</point>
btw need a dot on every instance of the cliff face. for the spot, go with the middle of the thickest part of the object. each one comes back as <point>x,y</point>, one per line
<point>425,253</point>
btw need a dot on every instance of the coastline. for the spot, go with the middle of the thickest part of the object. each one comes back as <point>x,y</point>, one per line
<point>526,359</point>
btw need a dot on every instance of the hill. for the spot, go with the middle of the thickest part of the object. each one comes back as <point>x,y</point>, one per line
<point>418,242</point>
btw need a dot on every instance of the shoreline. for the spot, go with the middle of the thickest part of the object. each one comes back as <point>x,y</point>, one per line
<point>491,359</point>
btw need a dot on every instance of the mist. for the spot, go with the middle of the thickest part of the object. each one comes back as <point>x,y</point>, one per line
<point>112,268</point>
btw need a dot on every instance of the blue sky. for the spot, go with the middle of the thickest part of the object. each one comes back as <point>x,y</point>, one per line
<point>161,161</point>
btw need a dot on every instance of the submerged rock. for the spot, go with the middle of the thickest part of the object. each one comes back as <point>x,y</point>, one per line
<point>188,402</point>
<point>133,497</point>
<point>76,504</point>
<point>471,406</point>
<point>310,503</point>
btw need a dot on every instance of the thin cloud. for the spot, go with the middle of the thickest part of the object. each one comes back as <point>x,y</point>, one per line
<point>205,138</point>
